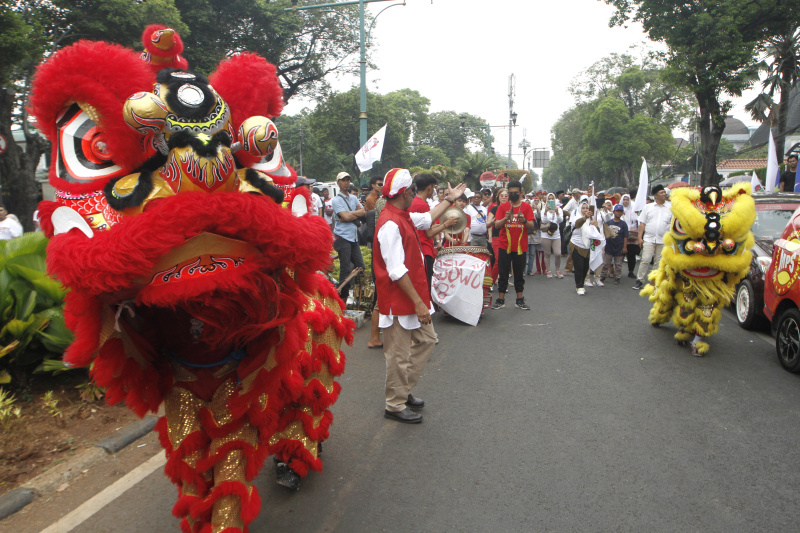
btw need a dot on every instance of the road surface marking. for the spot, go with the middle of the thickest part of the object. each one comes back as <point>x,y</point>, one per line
<point>75,518</point>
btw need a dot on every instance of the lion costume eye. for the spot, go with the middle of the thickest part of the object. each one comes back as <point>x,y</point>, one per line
<point>677,227</point>
<point>83,154</point>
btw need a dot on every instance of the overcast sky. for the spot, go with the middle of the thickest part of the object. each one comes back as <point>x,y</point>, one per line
<point>460,54</point>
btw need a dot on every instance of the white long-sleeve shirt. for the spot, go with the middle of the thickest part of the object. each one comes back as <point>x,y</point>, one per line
<point>656,219</point>
<point>548,217</point>
<point>395,257</point>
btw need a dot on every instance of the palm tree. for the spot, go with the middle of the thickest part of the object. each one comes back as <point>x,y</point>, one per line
<point>474,164</point>
<point>782,65</point>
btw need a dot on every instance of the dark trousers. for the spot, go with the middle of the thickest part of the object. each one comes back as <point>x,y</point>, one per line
<point>429,268</point>
<point>505,260</point>
<point>349,258</point>
<point>580,266</point>
<point>633,250</point>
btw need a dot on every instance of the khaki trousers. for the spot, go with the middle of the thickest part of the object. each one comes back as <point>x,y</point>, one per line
<point>650,251</point>
<point>407,352</point>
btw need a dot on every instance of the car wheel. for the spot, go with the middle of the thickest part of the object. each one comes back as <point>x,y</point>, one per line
<point>745,305</point>
<point>787,342</point>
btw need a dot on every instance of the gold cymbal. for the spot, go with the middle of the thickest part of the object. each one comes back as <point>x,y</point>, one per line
<point>461,222</point>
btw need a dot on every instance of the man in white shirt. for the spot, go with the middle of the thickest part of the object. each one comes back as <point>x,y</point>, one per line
<point>654,222</point>
<point>404,300</point>
<point>572,206</point>
<point>477,229</point>
<point>327,206</point>
<point>9,228</point>
<point>317,201</point>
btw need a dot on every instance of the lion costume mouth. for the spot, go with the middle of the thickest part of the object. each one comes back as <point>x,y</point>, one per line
<point>701,272</point>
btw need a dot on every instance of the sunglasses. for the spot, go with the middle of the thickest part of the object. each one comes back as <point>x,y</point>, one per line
<point>379,184</point>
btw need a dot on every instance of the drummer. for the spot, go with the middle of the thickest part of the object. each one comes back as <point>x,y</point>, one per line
<point>461,238</point>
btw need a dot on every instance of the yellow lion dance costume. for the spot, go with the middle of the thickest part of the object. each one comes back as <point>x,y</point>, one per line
<point>706,253</point>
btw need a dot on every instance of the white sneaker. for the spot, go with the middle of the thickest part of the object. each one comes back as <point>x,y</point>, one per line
<point>588,284</point>
<point>581,291</point>
<point>599,283</point>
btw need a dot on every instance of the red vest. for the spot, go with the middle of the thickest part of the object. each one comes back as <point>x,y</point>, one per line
<point>391,298</point>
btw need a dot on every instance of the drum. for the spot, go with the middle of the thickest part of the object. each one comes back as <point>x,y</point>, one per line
<point>483,254</point>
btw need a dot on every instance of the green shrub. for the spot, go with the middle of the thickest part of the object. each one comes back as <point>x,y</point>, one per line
<point>33,334</point>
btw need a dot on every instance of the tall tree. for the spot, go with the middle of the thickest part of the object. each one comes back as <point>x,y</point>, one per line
<point>616,142</point>
<point>443,130</point>
<point>640,84</point>
<point>305,45</point>
<point>571,162</point>
<point>601,142</point>
<point>22,44</point>
<point>711,51</point>
<point>782,66</point>
<point>476,163</point>
<point>29,30</point>
<point>332,131</point>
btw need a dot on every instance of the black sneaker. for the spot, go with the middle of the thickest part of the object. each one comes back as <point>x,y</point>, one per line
<point>499,303</point>
<point>638,285</point>
<point>520,304</point>
<point>631,275</point>
<point>602,278</point>
<point>286,477</point>
<point>616,281</point>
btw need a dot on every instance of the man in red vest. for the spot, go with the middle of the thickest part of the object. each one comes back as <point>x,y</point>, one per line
<point>404,295</point>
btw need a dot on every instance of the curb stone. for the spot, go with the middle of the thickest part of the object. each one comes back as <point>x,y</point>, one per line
<point>48,481</point>
<point>13,501</point>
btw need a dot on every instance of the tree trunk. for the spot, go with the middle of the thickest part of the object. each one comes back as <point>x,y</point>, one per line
<point>18,167</point>
<point>712,124</point>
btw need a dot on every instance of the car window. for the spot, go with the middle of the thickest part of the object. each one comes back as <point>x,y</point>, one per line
<point>769,224</point>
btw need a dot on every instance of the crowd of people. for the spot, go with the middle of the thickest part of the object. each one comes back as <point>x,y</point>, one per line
<point>409,220</point>
<point>538,233</point>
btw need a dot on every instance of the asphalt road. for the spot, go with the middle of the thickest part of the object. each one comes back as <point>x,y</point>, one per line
<point>575,416</point>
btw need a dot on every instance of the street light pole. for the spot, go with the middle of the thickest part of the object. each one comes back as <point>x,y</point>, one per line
<point>512,117</point>
<point>525,144</point>
<point>362,116</point>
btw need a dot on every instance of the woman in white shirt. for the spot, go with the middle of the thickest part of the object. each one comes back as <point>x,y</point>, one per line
<point>632,219</point>
<point>552,216</point>
<point>585,230</point>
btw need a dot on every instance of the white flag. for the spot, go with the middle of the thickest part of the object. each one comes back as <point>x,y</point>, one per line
<point>755,183</point>
<point>641,194</point>
<point>773,170</point>
<point>371,151</point>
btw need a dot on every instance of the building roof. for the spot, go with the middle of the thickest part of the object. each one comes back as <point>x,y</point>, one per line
<point>760,137</point>
<point>734,126</point>
<point>741,164</point>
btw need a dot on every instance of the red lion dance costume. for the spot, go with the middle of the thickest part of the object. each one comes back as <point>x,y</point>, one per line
<point>190,284</point>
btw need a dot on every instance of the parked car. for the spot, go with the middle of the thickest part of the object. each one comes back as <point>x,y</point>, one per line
<point>782,295</point>
<point>773,211</point>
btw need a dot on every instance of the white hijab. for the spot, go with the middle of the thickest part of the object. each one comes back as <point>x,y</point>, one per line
<point>630,217</point>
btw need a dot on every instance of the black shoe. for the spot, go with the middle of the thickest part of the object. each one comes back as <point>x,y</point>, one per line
<point>631,275</point>
<point>638,285</point>
<point>414,403</point>
<point>520,304</point>
<point>602,278</point>
<point>286,477</point>
<point>499,303</point>
<point>406,416</point>
<point>616,281</point>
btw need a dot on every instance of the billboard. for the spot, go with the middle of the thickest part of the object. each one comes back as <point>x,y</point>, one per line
<point>540,159</point>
